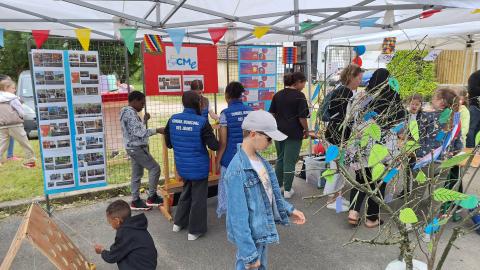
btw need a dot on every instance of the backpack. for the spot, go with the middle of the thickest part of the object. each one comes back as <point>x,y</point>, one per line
<point>323,111</point>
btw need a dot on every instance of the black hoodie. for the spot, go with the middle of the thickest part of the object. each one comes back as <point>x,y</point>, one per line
<point>133,248</point>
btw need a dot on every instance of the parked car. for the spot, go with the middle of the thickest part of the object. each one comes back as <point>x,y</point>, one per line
<point>25,92</point>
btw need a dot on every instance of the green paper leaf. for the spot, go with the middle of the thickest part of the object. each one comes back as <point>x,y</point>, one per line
<point>342,157</point>
<point>377,154</point>
<point>430,246</point>
<point>454,161</point>
<point>377,171</point>
<point>471,202</point>
<point>364,140</point>
<point>442,221</point>
<point>421,177</point>
<point>445,116</point>
<point>328,175</point>
<point>446,195</point>
<point>413,127</point>
<point>407,216</point>
<point>477,138</point>
<point>411,146</point>
<point>373,130</point>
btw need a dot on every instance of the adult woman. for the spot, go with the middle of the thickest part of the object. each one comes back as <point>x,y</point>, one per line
<point>387,105</point>
<point>336,132</point>
<point>290,109</point>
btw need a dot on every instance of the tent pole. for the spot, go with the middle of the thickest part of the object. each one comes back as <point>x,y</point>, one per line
<point>309,81</point>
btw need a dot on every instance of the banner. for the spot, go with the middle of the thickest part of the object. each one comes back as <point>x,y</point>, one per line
<point>69,111</point>
<point>257,71</point>
<point>171,73</point>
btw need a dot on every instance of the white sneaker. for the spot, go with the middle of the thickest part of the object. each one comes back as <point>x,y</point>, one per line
<point>333,206</point>
<point>193,237</point>
<point>345,202</point>
<point>176,228</point>
<point>288,194</point>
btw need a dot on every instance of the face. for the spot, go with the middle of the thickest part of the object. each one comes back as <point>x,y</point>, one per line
<point>115,222</point>
<point>199,92</point>
<point>138,105</point>
<point>414,106</point>
<point>260,140</point>
<point>11,89</point>
<point>356,81</point>
<point>438,103</point>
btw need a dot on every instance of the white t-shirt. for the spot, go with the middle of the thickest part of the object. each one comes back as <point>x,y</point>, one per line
<point>263,175</point>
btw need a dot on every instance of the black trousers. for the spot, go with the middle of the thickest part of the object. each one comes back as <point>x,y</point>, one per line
<point>372,206</point>
<point>192,206</point>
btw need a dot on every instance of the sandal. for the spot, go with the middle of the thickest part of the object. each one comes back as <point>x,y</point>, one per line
<point>353,221</point>
<point>378,222</point>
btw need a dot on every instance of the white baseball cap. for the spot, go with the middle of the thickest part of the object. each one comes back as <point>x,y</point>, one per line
<point>264,122</point>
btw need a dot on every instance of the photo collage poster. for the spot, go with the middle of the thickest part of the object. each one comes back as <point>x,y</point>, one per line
<point>257,67</point>
<point>70,119</point>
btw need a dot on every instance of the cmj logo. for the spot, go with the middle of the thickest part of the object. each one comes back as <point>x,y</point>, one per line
<point>186,60</point>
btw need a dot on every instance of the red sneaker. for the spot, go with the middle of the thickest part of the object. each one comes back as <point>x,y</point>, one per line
<point>29,165</point>
<point>14,158</point>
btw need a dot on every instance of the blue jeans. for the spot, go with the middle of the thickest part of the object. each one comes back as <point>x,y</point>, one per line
<point>262,252</point>
<point>474,126</point>
<point>222,194</point>
<point>10,148</point>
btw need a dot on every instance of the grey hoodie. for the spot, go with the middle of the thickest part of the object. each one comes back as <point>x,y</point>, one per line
<point>135,133</point>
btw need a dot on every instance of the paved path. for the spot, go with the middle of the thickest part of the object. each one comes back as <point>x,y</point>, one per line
<point>316,245</point>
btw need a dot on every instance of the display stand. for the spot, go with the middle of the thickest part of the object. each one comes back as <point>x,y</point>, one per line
<point>174,184</point>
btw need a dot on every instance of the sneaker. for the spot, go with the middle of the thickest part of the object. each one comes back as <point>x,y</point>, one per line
<point>333,206</point>
<point>176,228</point>
<point>288,194</point>
<point>14,158</point>
<point>29,165</point>
<point>139,205</point>
<point>154,200</point>
<point>193,237</point>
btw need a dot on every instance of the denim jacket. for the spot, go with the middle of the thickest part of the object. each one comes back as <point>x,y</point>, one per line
<point>251,218</point>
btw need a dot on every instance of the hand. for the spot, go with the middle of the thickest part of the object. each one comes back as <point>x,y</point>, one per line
<point>161,130</point>
<point>254,265</point>
<point>305,134</point>
<point>146,117</point>
<point>98,248</point>
<point>298,217</point>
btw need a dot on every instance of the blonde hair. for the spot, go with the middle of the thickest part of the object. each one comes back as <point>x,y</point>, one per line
<point>4,84</point>
<point>349,73</point>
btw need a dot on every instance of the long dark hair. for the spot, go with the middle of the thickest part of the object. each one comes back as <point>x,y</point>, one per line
<point>386,101</point>
<point>191,100</point>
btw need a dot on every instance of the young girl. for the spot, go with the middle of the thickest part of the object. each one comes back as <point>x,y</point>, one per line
<point>188,133</point>
<point>230,135</point>
<point>11,122</point>
<point>290,109</point>
<point>464,113</point>
<point>197,87</point>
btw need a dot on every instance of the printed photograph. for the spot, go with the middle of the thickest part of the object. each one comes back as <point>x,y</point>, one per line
<point>169,83</point>
<point>48,59</point>
<point>49,78</point>
<point>51,95</point>
<point>90,159</point>
<point>88,110</point>
<point>53,112</point>
<point>54,129</point>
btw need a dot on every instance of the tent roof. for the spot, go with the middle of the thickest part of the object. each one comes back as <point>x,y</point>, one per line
<point>336,19</point>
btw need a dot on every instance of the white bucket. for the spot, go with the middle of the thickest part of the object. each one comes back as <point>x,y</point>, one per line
<point>314,166</point>
<point>401,265</point>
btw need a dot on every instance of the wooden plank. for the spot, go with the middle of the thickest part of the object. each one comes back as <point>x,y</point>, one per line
<point>166,172</point>
<point>17,242</point>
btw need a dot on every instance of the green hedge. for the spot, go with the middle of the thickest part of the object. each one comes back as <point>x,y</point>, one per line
<point>413,74</point>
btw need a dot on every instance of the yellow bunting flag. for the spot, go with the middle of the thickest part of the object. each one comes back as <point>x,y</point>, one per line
<point>476,11</point>
<point>83,35</point>
<point>260,31</point>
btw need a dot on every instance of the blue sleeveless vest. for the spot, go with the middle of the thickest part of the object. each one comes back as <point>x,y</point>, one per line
<point>235,113</point>
<point>191,156</point>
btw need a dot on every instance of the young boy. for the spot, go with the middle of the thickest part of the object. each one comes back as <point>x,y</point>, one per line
<point>135,137</point>
<point>11,122</point>
<point>254,200</point>
<point>133,247</point>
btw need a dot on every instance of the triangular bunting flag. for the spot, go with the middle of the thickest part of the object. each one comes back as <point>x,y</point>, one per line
<point>429,13</point>
<point>128,35</point>
<point>1,38</point>
<point>217,33</point>
<point>177,35</point>
<point>306,25</point>
<point>83,35</point>
<point>260,31</point>
<point>153,43</point>
<point>40,36</point>
<point>368,22</point>
<point>476,11</point>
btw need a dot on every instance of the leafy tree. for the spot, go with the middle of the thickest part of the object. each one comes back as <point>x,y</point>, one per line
<point>14,56</point>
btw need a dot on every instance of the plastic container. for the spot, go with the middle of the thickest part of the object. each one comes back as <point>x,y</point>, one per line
<point>314,166</point>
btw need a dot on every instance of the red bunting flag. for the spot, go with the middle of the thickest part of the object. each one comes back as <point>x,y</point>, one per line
<point>40,36</point>
<point>216,33</point>
<point>429,13</point>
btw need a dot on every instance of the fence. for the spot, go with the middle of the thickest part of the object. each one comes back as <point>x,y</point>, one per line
<point>455,66</point>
